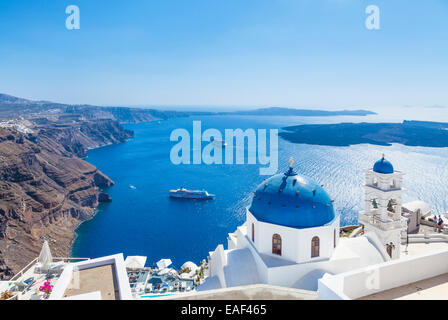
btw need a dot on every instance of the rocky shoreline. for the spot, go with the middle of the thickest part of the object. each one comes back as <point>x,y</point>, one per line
<point>46,189</point>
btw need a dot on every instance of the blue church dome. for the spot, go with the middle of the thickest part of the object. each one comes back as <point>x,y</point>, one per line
<point>383,166</point>
<point>292,200</point>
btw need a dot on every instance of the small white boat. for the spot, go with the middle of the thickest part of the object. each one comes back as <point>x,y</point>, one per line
<point>219,143</point>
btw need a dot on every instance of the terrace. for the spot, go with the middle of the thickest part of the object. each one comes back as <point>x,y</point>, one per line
<point>26,283</point>
<point>101,278</point>
<point>104,278</point>
<point>53,278</point>
<point>148,283</point>
<point>161,280</point>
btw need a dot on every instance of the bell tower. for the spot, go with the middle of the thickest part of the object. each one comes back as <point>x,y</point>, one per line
<point>382,212</point>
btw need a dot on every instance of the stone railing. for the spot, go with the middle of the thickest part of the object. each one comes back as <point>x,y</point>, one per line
<point>32,263</point>
<point>380,224</point>
<point>427,238</point>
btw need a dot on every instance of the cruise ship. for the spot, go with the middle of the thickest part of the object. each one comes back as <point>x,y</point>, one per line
<point>191,194</point>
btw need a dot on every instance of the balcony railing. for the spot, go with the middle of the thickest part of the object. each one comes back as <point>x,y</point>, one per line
<point>381,224</point>
<point>32,263</point>
<point>386,188</point>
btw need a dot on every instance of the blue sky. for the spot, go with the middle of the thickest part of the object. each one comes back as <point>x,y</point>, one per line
<point>295,53</point>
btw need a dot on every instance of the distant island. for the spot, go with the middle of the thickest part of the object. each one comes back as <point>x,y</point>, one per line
<point>409,133</point>
<point>278,111</point>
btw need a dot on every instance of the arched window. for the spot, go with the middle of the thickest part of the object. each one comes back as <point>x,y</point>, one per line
<point>277,244</point>
<point>389,248</point>
<point>419,215</point>
<point>253,232</point>
<point>315,247</point>
<point>334,238</point>
<point>393,184</point>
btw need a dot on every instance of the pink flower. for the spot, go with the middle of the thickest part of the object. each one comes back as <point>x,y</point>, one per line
<point>46,288</point>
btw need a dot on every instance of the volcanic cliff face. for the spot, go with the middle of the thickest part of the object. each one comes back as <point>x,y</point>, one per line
<point>13,108</point>
<point>46,190</point>
<point>76,138</point>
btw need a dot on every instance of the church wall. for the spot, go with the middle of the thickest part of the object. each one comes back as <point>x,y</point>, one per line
<point>263,238</point>
<point>296,243</point>
<point>290,275</point>
<point>326,242</point>
<point>249,220</point>
<point>245,242</point>
<point>289,239</point>
<point>385,237</point>
<point>217,262</point>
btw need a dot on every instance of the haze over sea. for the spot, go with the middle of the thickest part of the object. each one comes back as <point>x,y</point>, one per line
<point>145,221</point>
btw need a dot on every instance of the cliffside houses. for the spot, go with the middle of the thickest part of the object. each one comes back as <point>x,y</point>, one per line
<point>19,125</point>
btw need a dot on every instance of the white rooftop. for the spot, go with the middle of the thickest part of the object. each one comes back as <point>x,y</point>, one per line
<point>417,204</point>
<point>135,262</point>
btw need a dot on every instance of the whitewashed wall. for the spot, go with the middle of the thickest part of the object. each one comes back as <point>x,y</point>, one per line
<point>245,242</point>
<point>384,276</point>
<point>216,264</point>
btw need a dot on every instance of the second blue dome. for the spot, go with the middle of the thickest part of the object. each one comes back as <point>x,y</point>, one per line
<point>383,166</point>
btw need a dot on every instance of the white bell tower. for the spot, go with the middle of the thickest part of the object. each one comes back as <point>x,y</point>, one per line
<point>382,213</point>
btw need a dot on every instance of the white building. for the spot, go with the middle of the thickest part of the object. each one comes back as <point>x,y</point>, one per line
<point>414,212</point>
<point>382,213</point>
<point>291,238</point>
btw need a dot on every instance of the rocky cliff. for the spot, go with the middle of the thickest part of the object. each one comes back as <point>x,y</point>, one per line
<point>13,108</point>
<point>46,190</point>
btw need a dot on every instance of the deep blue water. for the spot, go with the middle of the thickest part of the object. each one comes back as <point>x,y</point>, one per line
<point>145,221</point>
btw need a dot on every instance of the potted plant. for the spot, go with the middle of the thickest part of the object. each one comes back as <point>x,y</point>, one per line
<point>6,295</point>
<point>46,289</point>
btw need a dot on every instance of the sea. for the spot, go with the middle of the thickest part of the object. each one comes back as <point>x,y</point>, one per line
<point>143,220</point>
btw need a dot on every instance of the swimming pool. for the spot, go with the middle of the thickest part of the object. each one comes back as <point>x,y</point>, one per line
<point>156,295</point>
<point>155,279</point>
<point>137,276</point>
<point>146,281</point>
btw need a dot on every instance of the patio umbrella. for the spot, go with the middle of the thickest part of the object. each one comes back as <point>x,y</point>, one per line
<point>45,256</point>
<point>135,262</point>
<point>163,263</point>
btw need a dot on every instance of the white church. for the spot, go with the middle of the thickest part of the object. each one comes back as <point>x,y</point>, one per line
<point>291,235</point>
